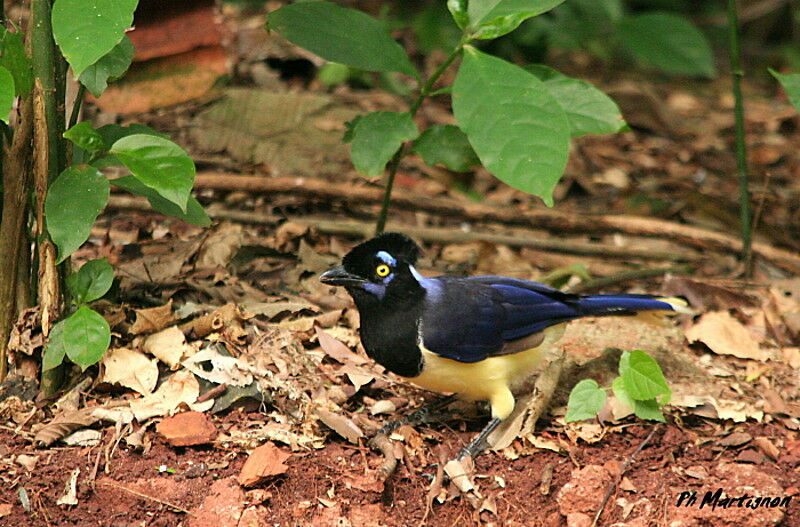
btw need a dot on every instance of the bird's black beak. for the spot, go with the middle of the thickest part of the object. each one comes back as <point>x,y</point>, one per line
<point>338,276</point>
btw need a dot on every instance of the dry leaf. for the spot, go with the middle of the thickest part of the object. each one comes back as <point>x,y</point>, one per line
<point>336,349</point>
<point>220,246</point>
<point>152,319</point>
<point>169,345</point>
<point>179,388</point>
<point>223,370</point>
<point>131,369</point>
<point>64,424</point>
<point>459,471</point>
<point>343,426</point>
<point>265,461</point>
<point>725,335</point>
<point>70,496</point>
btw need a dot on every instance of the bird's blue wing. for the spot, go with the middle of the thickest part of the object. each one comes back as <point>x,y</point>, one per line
<point>470,319</point>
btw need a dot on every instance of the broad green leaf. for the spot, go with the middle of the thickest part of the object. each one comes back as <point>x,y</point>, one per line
<point>194,211</point>
<point>73,202</point>
<point>14,58</point>
<point>111,133</point>
<point>86,336</point>
<point>86,30</point>
<point>158,163</point>
<point>649,409</point>
<point>791,85</point>
<point>494,18</point>
<point>642,376</point>
<point>435,29</point>
<point>92,281</point>
<point>516,127</point>
<point>55,350</point>
<point>7,94</point>
<point>458,8</point>
<point>585,400</point>
<point>376,137</point>
<point>448,145</point>
<point>85,136</point>
<point>340,35</point>
<point>111,66</point>
<point>588,110</point>
<point>333,74</point>
<point>668,42</point>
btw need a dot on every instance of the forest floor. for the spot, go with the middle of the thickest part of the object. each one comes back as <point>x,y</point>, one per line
<point>236,392</point>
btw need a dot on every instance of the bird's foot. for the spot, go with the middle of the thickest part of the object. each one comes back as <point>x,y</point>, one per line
<point>426,414</point>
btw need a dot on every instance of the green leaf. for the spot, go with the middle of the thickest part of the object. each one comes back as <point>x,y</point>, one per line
<point>448,145</point>
<point>86,30</point>
<point>642,376</point>
<point>649,409</point>
<point>341,35</point>
<point>494,18</point>
<point>435,29</point>
<point>585,400</point>
<point>158,163</point>
<point>516,127</point>
<point>588,110</point>
<point>85,136</point>
<point>14,58</point>
<point>791,85</point>
<point>92,281</point>
<point>194,211</point>
<point>6,94</point>
<point>55,350</point>
<point>111,133</point>
<point>458,8</point>
<point>668,42</point>
<point>376,137</point>
<point>86,336</point>
<point>74,200</point>
<point>111,66</point>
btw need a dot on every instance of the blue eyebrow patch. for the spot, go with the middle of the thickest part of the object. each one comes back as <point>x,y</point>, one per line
<point>386,258</point>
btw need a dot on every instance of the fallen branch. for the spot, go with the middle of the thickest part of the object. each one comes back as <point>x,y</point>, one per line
<point>430,234</point>
<point>549,219</point>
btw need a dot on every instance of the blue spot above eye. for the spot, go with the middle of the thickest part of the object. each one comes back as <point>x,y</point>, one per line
<point>386,258</point>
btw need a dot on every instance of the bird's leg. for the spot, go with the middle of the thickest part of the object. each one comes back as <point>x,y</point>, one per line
<point>419,416</point>
<point>477,445</point>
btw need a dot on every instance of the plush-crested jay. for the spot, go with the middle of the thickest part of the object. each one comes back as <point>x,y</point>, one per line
<point>476,337</point>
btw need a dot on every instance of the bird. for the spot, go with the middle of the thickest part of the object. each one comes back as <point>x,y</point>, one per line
<point>477,337</point>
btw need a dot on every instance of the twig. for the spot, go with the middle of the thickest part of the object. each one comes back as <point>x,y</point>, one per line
<point>145,496</point>
<point>745,217</point>
<point>626,276</point>
<point>549,219</point>
<point>431,234</point>
<point>625,467</point>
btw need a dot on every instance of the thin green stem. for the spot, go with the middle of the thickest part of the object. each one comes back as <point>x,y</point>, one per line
<point>394,163</point>
<point>76,106</point>
<point>737,73</point>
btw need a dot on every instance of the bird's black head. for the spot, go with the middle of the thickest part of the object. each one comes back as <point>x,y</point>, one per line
<point>379,270</point>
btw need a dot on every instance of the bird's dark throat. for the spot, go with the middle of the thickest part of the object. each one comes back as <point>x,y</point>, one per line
<point>390,328</point>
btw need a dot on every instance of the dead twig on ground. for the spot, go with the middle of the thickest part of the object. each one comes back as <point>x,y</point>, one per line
<point>548,219</point>
<point>381,442</point>
<point>622,471</point>
<point>145,496</point>
<point>432,234</point>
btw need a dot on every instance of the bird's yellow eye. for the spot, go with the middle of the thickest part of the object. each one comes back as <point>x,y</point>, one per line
<point>382,270</point>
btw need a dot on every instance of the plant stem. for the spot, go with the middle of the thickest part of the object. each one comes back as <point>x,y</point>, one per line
<point>394,163</point>
<point>48,161</point>
<point>745,216</point>
<point>76,106</point>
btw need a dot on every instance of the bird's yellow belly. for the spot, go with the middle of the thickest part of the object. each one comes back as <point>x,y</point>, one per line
<point>490,379</point>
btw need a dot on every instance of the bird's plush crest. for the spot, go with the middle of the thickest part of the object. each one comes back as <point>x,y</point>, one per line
<point>360,259</point>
